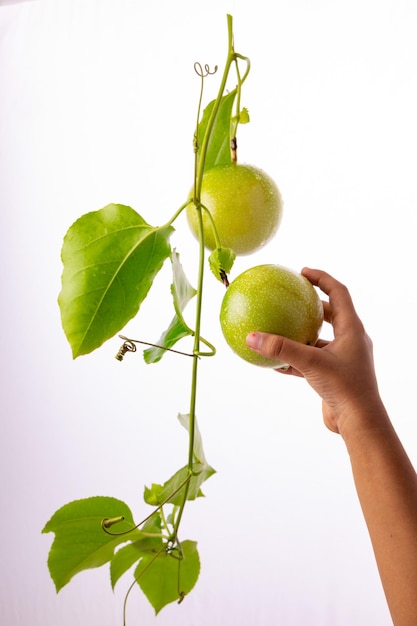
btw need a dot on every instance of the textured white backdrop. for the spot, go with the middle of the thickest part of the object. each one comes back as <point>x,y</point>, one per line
<point>97,105</point>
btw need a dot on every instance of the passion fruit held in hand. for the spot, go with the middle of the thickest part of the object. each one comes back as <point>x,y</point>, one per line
<point>272,299</point>
<point>245,205</point>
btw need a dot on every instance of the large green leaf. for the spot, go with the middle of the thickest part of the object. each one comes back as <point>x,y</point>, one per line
<point>218,150</point>
<point>165,577</point>
<point>80,542</point>
<point>110,258</point>
<point>182,292</point>
<point>131,554</point>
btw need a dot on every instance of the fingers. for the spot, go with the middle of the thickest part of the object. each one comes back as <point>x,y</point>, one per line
<point>322,343</point>
<point>327,311</point>
<point>289,371</point>
<point>297,355</point>
<point>339,311</point>
<point>326,283</point>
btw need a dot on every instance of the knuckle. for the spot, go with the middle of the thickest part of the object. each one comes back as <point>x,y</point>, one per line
<point>273,346</point>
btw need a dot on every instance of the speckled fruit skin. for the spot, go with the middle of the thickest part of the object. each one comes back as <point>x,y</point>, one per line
<point>246,206</point>
<point>273,299</point>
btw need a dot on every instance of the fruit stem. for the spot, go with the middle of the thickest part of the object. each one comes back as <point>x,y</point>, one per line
<point>213,225</point>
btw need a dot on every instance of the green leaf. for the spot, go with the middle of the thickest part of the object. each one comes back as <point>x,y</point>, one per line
<point>80,542</point>
<point>221,262</point>
<point>244,116</point>
<point>176,331</point>
<point>110,259</point>
<point>153,494</point>
<point>218,150</point>
<point>173,489</point>
<point>168,576</point>
<point>126,556</point>
<point>181,289</point>
<point>199,455</point>
<point>182,293</point>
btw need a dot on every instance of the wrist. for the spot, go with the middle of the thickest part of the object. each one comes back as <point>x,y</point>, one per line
<point>361,418</point>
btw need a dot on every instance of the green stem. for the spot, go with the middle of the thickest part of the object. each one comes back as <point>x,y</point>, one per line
<point>199,296</point>
<point>198,179</point>
<point>163,519</point>
<point>202,157</point>
<point>176,214</point>
<point>238,96</point>
<point>209,346</point>
<point>196,351</point>
<point>213,225</point>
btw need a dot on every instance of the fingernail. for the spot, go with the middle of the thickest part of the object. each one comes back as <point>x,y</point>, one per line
<point>254,341</point>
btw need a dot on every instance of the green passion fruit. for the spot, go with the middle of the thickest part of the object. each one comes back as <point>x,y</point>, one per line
<point>272,299</point>
<point>245,204</point>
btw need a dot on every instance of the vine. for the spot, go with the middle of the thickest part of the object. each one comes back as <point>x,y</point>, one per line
<point>111,256</point>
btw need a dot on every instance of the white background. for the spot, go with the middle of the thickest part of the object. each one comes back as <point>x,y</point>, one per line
<point>97,105</point>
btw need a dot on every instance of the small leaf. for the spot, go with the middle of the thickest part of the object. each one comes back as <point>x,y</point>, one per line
<point>152,494</point>
<point>176,331</point>
<point>221,262</point>
<point>110,259</point>
<point>80,542</point>
<point>181,289</point>
<point>218,150</point>
<point>182,292</point>
<point>173,489</point>
<point>168,576</point>
<point>244,116</point>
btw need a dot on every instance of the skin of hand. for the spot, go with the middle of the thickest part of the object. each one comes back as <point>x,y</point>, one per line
<point>342,372</point>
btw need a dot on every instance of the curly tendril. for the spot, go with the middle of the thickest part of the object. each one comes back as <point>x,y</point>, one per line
<point>108,522</point>
<point>129,346</point>
<point>203,72</point>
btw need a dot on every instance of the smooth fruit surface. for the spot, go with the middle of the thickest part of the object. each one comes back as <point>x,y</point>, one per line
<point>245,204</point>
<point>272,299</point>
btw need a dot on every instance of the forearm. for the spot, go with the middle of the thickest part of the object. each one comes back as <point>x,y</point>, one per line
<point>386,483</point>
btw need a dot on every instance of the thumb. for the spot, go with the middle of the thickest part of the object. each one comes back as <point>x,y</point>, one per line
<point>272,346</point>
